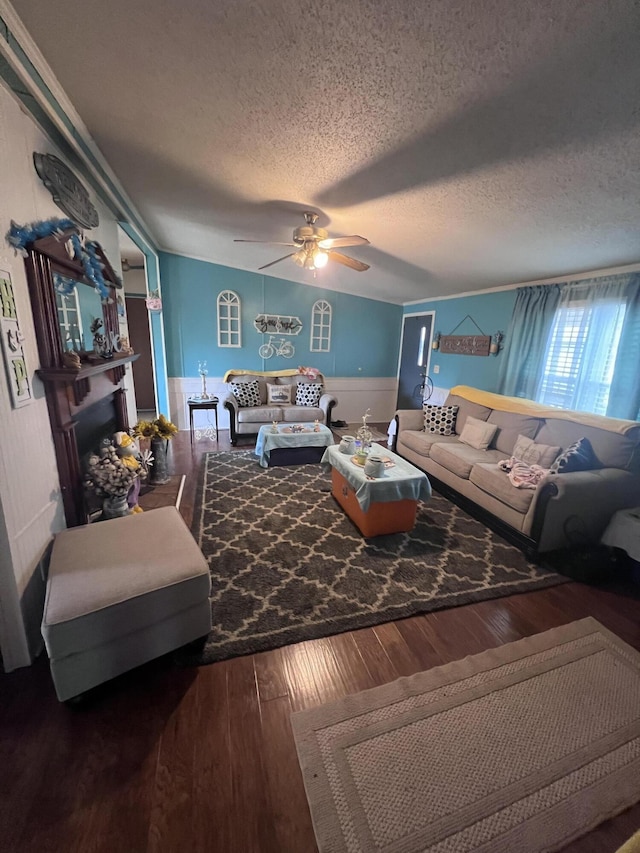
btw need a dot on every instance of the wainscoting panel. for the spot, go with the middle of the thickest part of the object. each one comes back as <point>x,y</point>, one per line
<point>354,397</point>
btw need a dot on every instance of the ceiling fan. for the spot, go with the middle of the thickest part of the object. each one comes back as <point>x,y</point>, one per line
<point>127,267</point>
<point>314,248</point>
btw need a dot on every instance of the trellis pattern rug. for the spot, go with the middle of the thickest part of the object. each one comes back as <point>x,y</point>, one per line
<point>288,565</point>
<point>521,748</point>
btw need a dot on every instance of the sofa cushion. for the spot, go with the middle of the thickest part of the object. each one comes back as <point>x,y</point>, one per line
<point>422,442</point>
<point>532,453</point>
<point>261,414</point>
<point>510,426</point>
<point>495,482</point>
<point>308,393</point>
<point>578,457</point>
<point>612,449</point>
<point>466,408</point>
<point>460,458</point>
<point>478,434</point>
<point>278,394</point>
<point>304,414</point>
<point>440,420</point>
<point>246,393</point>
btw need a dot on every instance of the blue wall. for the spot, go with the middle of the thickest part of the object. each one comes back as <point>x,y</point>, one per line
<point>492,312</point>
<point>365,334</point>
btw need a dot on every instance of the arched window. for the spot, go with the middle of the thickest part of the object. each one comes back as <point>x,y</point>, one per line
<point>320,327</point>
<point>229,326</point>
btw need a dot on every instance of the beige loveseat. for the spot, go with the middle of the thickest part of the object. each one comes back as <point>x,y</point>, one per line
<point>564,510</point>
<point>247,420</point>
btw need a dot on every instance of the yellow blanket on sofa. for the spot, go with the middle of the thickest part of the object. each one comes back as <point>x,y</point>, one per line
<point>520,406</point>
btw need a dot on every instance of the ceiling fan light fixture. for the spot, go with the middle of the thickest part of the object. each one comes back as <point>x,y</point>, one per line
<point>320,258</point>
<point>300,257</point>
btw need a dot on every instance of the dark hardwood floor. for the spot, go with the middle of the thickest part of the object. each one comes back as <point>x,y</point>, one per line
<point>167,759</point>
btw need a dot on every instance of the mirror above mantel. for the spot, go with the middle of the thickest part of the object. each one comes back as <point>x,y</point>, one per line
<point>76,377</point>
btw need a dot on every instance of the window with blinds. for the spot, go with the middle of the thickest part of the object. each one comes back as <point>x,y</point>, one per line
<point>581,354</point>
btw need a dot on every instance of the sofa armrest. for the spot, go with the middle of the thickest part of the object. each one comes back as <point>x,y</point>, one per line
<point>574,509</point>
<point>230,403</point>
<point>326,403</point>
<point>410,419</point>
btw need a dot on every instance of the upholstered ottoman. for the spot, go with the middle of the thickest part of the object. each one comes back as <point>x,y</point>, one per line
<point>120,593</point>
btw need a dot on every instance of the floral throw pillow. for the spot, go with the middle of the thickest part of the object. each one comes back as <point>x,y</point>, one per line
<point>578,457</point>
<point>440,420</point>
<point>246,393</point>
<point>308,394</point>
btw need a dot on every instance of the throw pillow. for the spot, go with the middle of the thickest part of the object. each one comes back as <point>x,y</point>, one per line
<point>440,420</point>
<point>246,393</point>
<point>578,457</point>
<point>526,450</point>
<point>308,394</point>
<point>279,394</point>
<point>478,434</point>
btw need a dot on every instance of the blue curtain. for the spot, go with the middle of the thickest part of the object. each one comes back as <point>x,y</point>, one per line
<point>523,356</point>
<point>624,395</point>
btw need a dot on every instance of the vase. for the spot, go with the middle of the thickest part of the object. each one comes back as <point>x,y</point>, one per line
<point>159,473</point>
<point>115,506</point>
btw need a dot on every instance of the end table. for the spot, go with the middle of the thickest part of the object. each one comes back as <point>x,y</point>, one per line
<point>199,403</point>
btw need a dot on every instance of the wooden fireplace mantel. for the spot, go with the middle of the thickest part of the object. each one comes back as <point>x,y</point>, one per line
<point>79,379</point>
<point>75,394</point>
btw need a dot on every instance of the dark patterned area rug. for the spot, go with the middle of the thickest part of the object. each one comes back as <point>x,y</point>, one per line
<point>288,565</point>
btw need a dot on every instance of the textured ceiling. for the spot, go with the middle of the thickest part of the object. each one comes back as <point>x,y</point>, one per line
<point>474,144</point>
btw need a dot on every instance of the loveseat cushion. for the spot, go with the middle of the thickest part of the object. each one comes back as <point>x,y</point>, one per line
<point>261,414</point>
<point>278,394</point>
<point>495,482</point>
<point>308,394</point>
<point>460,458</point>
<point>304,414</point>
<point>246,393</point>
<point>510,426</point>
<point>466,408</point>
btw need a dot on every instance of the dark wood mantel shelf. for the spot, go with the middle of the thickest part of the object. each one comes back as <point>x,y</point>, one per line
<point>79,377</point>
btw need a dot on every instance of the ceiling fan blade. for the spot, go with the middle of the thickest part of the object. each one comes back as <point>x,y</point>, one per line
<point>264,242</point>
<point>343,242</point>
<point>346,261</point>
<point>283,258</point>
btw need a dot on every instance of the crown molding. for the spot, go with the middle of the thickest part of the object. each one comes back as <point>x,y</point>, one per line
<point>557,279</point>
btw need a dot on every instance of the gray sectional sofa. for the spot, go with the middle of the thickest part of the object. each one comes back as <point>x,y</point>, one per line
<point>565,509</point>
<point>247,420</point>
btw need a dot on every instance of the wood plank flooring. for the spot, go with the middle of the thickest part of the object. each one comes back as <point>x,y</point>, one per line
<point>163,759</point>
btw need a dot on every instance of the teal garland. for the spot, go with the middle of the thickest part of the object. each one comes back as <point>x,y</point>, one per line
<point>19,237</point>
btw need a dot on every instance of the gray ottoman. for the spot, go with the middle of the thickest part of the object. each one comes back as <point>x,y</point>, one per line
<point>120,593</point>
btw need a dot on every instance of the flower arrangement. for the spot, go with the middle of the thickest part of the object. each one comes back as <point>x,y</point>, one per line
<point>107,475</point>
<point>158,428</point>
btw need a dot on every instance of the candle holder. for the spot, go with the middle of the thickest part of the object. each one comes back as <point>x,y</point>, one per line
<point>202,370</point>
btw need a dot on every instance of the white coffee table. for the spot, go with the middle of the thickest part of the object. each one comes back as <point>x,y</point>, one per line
<point>287,447</point>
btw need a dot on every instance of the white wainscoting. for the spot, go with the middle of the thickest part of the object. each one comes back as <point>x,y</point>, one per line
<point>354,396</point>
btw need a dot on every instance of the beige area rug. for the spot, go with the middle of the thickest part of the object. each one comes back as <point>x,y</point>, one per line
<point>521,748</point>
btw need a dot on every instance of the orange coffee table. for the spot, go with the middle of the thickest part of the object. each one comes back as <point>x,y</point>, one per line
<point>382,506</point>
